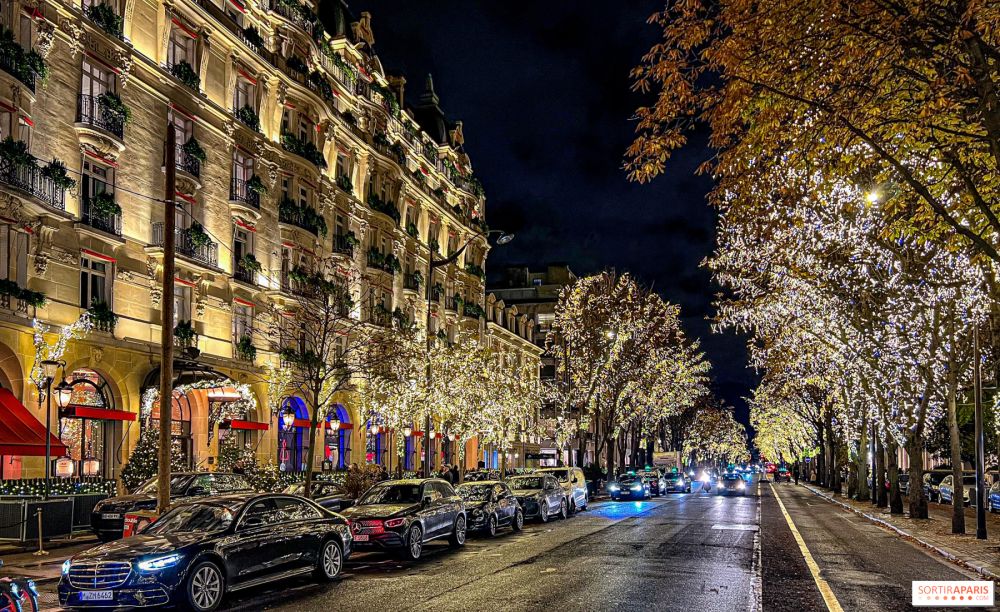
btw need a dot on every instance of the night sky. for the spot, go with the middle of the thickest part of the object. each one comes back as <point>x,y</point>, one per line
<point>543,91</point>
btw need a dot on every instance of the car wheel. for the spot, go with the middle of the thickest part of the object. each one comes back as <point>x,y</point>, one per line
<point>563,510</point>
<point>330,561</point>
<point>518,523</point>
<point>572,506</point>
<point>205,587</point>
<point>543,511</point>
<point>491,526</point>
<point>458,534</point>
<point>414,543</point>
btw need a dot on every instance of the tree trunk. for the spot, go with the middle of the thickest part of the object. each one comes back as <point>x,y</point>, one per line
<point>879,480</point>
<point>313,422</point>
<point>649,450</point>
<point>821,457</point>
<point>861,463</point>
<point>610,447</point>
<point>918,500</point>
<point>895,498</point>
<point>958,495</point>
<point>622,452</point>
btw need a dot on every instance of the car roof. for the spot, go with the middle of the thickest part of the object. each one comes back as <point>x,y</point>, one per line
<point>412,481</point>
<point>483,482</point>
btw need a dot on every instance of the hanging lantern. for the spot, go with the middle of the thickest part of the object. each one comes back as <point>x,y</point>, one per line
<point>407,431</point>
<point>64,394</point>
<point>288,419</point>
<point>335,424</point>
<point>91,467</point>
<point>374,429</point>
<point>64,467</point>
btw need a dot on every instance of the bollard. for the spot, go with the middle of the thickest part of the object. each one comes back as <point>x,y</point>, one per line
<point>41,552</point>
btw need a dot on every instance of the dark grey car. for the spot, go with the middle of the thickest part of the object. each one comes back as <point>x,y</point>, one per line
<point>491,504</point>
<point>540,496</point>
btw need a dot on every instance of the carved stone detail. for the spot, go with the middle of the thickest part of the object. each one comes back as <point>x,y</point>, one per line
<point>126,62</point>
<point>155,295</point>
<point>44,38</point>
<point>96,354</point>
<point>76,34</point>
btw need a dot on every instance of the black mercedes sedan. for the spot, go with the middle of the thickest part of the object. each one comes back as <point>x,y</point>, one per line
<point>677,482</point>
<point>491,504</point>
<point>330,495</point>
<point>403,515</point>
<point>199,551</point>
<point>108,517</point>
<point>540,496</point>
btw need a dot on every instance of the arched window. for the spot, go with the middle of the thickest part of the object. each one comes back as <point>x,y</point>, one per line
<point>293,444</point>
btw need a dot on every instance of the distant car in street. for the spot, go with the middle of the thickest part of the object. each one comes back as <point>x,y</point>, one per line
<point>403,515</point>
<point>782,475</point>
<point>654,479</point>
<point>108,517</point>
<point>490,505</point>
<point>199,551</point>
<point>573,483</point>
<point>540,496</point>
<point>732,483</point>
<point>330,495</point>
<point>946,490</point>
<point>629,486</point>
<point>677,482</point>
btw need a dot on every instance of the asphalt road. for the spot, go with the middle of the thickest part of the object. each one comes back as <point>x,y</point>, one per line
<point>695,552</point>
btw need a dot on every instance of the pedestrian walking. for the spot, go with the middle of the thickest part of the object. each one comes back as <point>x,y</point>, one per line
<point>446,473</point>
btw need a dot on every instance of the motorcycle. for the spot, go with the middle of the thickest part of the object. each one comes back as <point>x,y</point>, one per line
<point>17,594</point>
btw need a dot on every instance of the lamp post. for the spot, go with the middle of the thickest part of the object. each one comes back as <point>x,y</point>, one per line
<point>49,369</point>
<point>432,264</point>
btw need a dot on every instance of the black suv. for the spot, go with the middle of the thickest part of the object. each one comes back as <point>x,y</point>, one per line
<point>108,518</point>
<point>402,515</point>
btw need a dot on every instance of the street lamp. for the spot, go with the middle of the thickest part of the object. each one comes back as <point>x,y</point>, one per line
<point>288,418</point>
<point>502,239</point>
<point>407,431</point>
<point>49,369</point>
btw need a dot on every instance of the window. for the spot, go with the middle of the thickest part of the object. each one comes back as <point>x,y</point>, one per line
<point>13,255</point>
<point>96,79</point>
<point>242,242</point>
<point>235,15</point>
<point>13,124</point>
<point>343,165</point>
<point>245,95</point>
<point>295,510</point>
<point>183,124</point>
<point>242,166</point>
<point>340,223</point>
<point>182,303</point>
<point>242,321</point>
<point>181,48</point>
<point>305,195</point>
<point>95,282</point>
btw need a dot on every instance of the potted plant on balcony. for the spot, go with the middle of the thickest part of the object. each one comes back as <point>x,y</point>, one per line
<point>349,118</point>
<point>184,333</point>
<point>15,152</point>
<point>344,182</point>
<point>287,209</point>
<point>392,263</point>
<point>252,37</point>
<point>186,74</point>
<point>256,186</point>
<point>103,205</point>
<point>55,171</point>
<point>418,278</point>
<point>434,245</point>
<point>198,236</point>
<point>245,348</point>
<point>111,103</point>
<point>193,148</point>
<point>375,258</point>
<point>296,64</point>
<point>411,230</point>
<point>250,264</point>
<point>299,274</point>
<point>351,240</point>
<point>248,116</point>
<point>104,16</point>
<point>34,299</point>
<point>102,316</point>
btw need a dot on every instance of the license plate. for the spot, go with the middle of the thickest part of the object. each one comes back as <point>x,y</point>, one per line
<point>363,537</point>
<point>111,515</point>
<point>97,595</point>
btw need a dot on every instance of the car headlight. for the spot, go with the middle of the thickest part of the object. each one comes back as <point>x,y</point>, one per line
<point>612,487</point>
<point>477,513</point>
<point>158,563</point>
<point>65,567</point>
<point>637,487</point>
<point>741,485</point>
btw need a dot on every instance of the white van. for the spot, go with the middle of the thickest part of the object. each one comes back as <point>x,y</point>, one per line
<point>574,485</point>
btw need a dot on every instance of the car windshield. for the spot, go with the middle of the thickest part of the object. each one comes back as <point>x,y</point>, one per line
<point>731,476</point>
<point>320,489</point>
<point>627,479</point>
<point>208,518</point>
<point>936,477</point>
<point>475,492</point>
<point>527,482</point>
<point>561,475</point>
<point>391,494</point>
<point>178,484</point>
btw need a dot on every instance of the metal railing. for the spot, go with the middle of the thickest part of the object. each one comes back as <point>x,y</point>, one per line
<point>184,161</point>
<point>238,192</point>
<point>89,110</point>
<point>110,223</point>
<point>29,179</point>
<point>9,63</point>
<point>244,274</point>
<point>410,282</point>
<point>187,246</point>
<point>342,246</point>
<point>298,218</point>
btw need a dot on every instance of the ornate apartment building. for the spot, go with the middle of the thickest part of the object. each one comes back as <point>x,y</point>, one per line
<point>294,145</point>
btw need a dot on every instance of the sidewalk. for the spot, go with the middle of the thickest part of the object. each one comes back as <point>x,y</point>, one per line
<point>42,569</point>
<point>935,534</point>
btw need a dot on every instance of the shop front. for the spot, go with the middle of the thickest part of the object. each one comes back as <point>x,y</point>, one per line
<point>91,425</point>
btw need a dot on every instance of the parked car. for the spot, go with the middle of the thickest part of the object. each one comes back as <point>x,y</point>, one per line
<point>403,515</point>
<point>201,550</point>
<point>628,486</point>
<point>489,505</point>
<point>732,482</point>
<point>480,475</point>
<point>330,495</point>
<point>573,483</point>
<point>946,489</point>
<point>657,486</point>
<point>107,520</point>
<point>993,497</point>
<point>540,496</point>
<point>932,480</point>
<point>782,475</point>
<point>677,482</point>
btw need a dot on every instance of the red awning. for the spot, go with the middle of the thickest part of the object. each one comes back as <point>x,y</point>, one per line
<point>249,425</point>
<point>92,412</point>
<point>21,433</point>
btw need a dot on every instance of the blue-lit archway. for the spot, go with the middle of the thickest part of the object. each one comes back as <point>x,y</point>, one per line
<point>293,445</point>
<point>342,438</point>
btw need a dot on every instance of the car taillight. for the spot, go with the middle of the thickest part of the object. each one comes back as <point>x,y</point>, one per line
<point>393,523</point>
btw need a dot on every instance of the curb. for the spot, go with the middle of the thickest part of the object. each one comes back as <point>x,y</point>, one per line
<point>979,569</point>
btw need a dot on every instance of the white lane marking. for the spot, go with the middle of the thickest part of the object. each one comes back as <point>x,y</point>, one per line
<point>755,602</point>
<point>735,527</point>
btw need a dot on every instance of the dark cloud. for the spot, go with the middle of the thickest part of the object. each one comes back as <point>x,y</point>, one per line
<point>543,91</point>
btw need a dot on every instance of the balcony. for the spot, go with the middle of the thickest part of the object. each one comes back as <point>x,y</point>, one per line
<point>13,61</point>
<point>188,244</point>
<point>380,261</point>
<point>293,15</point>
<point>244,349</point>
<point>412,280</point>
<point>343,244</point>
<point>450,303</point>
<point>363,88</point>
<point>239,192</point>
<point>244,273</point>
<point>381,316</point>
<point>108,222</point>
<point>105,17</point>
<point>91,112</point>
<point>29,179</point>
<point>303,217</point>
<point>184,161</point>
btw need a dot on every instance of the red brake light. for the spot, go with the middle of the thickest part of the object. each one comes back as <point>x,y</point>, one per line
<point>393,523</point>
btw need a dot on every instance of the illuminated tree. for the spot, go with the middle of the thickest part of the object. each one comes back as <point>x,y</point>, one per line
<point>717,437</point>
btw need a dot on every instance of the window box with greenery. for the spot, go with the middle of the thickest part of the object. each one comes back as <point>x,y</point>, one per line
<point>247,268</point>
<point>385,207</point>
<point>303,148</point>
<point>473,310</point>
<point>253,38</point>
<point>411,230</point>
<point>344,183</point>
<point>437,291</point>
<point>197,235</point>
<point>475,270</point>
<point>56,172</point>
<point>192,148</point>
<point>105,17</point>
<point>245,350</point>
<point>248,117</point>
<point>113,116</point>
<point>295,64</point>
<point>102,317</point>
<point>320,84</point>
<point>24,65</point>
<point>419,176</point>
<point>256,186</point>
<point>15,153</point>
<point>10,289</point>
<point>434,245</point>
<point>104,205</point>
<point>184,334</point>
<point>299,274</point>
<point>186,75</point>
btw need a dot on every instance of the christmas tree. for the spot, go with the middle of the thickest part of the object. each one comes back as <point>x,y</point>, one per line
<point>142,464</point>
